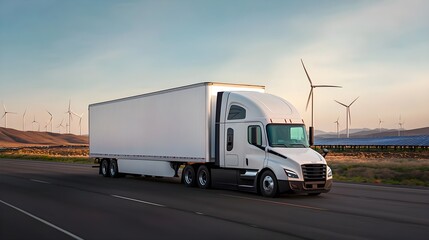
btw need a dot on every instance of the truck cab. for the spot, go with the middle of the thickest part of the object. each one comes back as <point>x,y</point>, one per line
<point>263,143</point>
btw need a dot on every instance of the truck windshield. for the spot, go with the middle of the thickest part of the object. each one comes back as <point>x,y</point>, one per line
<point>287,135</point>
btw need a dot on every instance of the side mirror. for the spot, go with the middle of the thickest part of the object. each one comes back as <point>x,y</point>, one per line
<point>325,152</point>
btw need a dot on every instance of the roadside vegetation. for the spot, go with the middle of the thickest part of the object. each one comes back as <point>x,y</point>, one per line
<point>409,168</point>
<point>66,154</point>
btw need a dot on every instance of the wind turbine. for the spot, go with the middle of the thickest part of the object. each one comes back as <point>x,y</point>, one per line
<point>379,124</point>
<point>34,121</point>
<point>23,120</point>
<point>5,115</point>
<point>50,120</point>
<point>348,115</point>
<point>60,125</point>
<point>80,122</point>
<point>338,127</point>
<point>70,113</point>
<point>401,126</point>
<point>311,96</point>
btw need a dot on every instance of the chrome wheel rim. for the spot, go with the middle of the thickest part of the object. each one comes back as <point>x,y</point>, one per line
<point>268,184</point>
<point>188,177</point>
<point>112,169</point>
<point>104,168</point>
<point>203,178</point>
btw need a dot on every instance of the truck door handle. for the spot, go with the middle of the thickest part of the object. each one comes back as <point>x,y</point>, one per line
<point>247,162</point>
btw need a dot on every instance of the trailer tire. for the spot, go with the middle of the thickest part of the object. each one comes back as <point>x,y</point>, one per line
<point>113,168</point>
<point>268,184</point>
<point>189,176</point>
<point>104,167</point>
<point>203,177</point>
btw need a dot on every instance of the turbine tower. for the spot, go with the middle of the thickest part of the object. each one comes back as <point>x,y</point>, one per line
<point>310,96</point>
<point>23,120</point>
<point>338,127</point>
<point>5,115</point>
<point>401,126</point>
<point>70,113</point>
<point>80,122</point>
<point>348,115</point>
<point>379,124</point>
<point>50,120</point>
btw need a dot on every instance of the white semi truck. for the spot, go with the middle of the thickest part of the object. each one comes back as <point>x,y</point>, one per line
<point>230,136</point>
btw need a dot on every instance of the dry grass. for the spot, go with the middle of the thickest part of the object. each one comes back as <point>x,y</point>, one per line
<point>71,154</point>
<point>401,168</point>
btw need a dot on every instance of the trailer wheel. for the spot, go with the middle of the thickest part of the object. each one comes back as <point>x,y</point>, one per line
<point>203,177</point>
<point>113,168</point>
<point>104,168</point>
<point>188,176</point>
<point>268,184</point>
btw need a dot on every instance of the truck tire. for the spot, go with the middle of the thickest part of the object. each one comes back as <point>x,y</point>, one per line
<point>203,177</point>
<point>268,184</point>
<point>113,168</point>
<point>104,167</point>
<point>189,176</point>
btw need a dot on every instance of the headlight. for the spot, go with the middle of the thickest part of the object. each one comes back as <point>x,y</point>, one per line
<point>329,172</point>
<point>291,174</point>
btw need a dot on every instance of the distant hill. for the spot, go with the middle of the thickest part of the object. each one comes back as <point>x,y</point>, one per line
<point>375,133</point>
<point>15,138</point>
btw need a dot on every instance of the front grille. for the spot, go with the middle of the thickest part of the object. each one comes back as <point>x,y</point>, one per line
<point>314,172</point>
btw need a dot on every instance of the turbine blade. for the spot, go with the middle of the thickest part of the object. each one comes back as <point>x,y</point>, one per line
<point>306,73</point>
<point>308,100</point>
<point>315,86</point>
<point>75,114</point>
<point>341,103</point>
<point>4,115</point>
<point>4,107</point>
<point>353,101</point>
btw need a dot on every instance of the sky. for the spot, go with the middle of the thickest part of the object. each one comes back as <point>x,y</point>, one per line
<point>53,52</point>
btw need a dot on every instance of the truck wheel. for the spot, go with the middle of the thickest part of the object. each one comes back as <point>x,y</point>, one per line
<point>268,184</point>
<point>104,168</point>
<point>113,168</point>
<point>188,176</point>
<point>203,177</point>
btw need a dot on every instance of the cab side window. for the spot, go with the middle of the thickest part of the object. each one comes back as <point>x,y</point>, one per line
<point>254,135</point>
<point>236,112</point>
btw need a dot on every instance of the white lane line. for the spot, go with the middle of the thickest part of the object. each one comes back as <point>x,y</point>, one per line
<point>43,221</point>
<point>39,181</point>
<point>139,201</point>
<point>274,202</point>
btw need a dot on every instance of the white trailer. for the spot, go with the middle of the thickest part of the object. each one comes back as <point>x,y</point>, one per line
<point>225,135</point>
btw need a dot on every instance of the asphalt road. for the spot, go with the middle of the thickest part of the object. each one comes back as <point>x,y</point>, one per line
<point>42,200</point>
